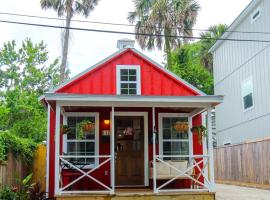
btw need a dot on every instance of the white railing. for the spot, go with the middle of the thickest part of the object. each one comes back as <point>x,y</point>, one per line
<point>196,172</point>
<point>65,161</point>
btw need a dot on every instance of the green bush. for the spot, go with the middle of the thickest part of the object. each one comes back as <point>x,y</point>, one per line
<point>8,194</point>
<point>25,148</point>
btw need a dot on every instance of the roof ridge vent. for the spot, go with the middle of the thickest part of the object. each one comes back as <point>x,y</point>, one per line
<point>125,43</point>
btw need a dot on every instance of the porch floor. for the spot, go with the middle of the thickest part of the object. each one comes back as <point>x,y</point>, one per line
<point>140,194</point>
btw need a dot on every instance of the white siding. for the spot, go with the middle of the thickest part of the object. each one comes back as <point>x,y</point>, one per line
<point>235,62</point>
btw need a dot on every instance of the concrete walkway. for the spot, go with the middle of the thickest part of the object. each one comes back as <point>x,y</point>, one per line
<point>231,192</point>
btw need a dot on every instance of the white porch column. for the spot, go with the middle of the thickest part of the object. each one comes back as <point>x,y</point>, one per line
<point>210,149</point>
<point>112,153</point>
<point>154,150</point>
<point>57,148</point>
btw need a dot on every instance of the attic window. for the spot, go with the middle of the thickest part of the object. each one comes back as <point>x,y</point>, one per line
<point>128,80</point>
<point>255,15</point>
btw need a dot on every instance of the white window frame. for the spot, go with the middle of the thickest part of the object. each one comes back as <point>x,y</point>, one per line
<point>242,94</point>
<point>84,114</point>
<point>190,136</point>
<point>138,77</point>
<point>258,9</point>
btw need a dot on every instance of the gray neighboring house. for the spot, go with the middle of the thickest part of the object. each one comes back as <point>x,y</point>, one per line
<point>242,75</point>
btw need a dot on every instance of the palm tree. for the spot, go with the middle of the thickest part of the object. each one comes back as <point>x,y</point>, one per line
<point>163,17</point>
<point>68,8</point>
<point>209,38</point>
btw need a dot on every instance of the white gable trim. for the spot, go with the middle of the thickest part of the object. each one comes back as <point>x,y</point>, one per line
<point>119,52</point>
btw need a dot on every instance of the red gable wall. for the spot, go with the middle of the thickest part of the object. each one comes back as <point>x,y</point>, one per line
<point>102,80</point>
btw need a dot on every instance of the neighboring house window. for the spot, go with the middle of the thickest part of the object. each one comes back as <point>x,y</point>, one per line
<point>128,80</point>
<point>173,142</point>
<point>247,94</point>
<point>82,146</point>
<point>255,15</point>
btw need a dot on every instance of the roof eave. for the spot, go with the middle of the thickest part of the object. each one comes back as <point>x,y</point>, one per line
<point>211,100</point>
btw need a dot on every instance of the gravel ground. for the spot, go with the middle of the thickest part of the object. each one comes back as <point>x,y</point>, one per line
<point>232,192</point>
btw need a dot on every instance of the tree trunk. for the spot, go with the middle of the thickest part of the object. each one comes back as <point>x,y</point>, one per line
<point>65,46</point>
<point>168,51</point>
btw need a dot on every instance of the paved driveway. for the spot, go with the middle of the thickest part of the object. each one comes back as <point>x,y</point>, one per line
<point>231,192</point>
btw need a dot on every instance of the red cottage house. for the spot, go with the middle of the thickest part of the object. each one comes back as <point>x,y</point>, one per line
<point>128,124</point>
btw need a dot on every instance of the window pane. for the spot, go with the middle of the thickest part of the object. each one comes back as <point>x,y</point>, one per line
<point>72,121</point>
<point>166,134</point>
<point>132,91</point>
<point>124,72</point>
<point>248,101</point>
<point>71,147</point>
<point>124,91</point>
<point>124,78</point>
<point>72,134</point>
<point>132,85</point>
<point>166,122</point>
<point>132,72</point>
<point>90,148</point>
<point>132,78</point>
<point>167,149</point>
<point>124,85</point>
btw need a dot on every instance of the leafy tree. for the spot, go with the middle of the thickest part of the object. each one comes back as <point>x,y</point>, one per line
<point>68,8</point>
<point>24,77</point>
<point>209,39</point>
<point>163,17</point>
<point>186,64</point>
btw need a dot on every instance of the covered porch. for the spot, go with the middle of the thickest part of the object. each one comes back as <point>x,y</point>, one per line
<point>133,145</point>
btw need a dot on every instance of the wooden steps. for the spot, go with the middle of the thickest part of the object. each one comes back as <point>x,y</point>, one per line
<point>140,194</point>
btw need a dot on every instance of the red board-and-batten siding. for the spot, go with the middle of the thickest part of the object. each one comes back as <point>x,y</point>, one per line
<point>102,81</point>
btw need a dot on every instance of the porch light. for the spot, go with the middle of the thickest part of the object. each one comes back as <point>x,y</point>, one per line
<point>181,126</point>
<point>106,121</point>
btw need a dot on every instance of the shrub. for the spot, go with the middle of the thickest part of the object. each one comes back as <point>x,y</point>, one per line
<point>25,148</point>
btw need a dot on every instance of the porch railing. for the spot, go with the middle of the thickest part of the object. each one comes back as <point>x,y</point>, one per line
<point>65,160</point>
<point>196,172</point>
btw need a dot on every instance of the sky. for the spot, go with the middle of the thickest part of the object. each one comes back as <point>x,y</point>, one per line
<point>88,48</point>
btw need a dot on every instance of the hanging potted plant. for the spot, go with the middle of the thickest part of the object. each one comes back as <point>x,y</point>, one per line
<point>181,126</point>
<point>200,131</point>
<point>64,129</point>
<point>85,127</point>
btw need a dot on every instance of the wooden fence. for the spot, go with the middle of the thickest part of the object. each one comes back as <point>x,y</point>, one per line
<point>13,171</point>
<point>244,163</point>
<point>39,167</point>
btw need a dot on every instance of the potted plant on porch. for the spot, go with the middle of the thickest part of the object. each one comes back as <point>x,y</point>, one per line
<point>200,131</point>
<point>64,129</point>
<point>85,127</point>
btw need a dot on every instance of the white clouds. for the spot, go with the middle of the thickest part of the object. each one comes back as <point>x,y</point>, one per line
<point>88,48</point>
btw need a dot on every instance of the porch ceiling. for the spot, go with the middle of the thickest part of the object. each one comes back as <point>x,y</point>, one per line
<point>134,101</point>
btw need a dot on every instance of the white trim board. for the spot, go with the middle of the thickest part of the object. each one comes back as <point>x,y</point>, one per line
<point>146,149</point>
